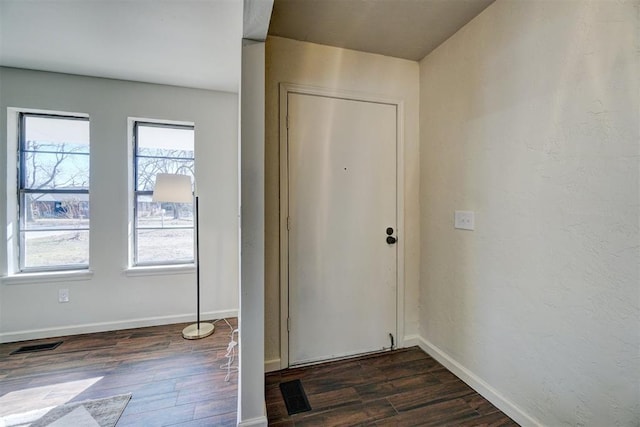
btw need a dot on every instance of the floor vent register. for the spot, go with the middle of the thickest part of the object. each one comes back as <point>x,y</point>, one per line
<point>294,397</point>
<point>37,347</point>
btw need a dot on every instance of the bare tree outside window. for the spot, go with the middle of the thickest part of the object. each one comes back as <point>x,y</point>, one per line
<point>164,232</point>
<point>54,192</point>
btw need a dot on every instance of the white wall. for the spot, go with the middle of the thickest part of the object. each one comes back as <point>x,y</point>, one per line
<point>251,403</point>
<point>529,117</point>
<point>290,61</point>
<point>111,299</point>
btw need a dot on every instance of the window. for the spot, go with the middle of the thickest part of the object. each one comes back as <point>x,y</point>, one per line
<point>163,232</point>
<point>53,192</point>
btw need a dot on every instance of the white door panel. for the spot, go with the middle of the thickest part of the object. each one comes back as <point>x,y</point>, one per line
<point>342,198</point>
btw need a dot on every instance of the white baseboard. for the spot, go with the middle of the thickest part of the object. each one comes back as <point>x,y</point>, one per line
<point>272,365</point>
<point>260,421</point>
<point>110,326</point>
<point>410,341</point>
<point>476,383</point>
<point>254,422</point>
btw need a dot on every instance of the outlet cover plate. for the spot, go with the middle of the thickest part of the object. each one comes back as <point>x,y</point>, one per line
<point>464,220</point>
<point>63,295</point>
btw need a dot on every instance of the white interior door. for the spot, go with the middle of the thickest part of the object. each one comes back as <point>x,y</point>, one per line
<point>342,199</point>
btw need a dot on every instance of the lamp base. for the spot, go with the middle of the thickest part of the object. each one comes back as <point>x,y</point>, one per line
<point>192,332</point>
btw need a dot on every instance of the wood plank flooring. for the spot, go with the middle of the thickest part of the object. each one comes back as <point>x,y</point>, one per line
<point>402,388</point>
<point>173,381</point>
<point>177,382</point>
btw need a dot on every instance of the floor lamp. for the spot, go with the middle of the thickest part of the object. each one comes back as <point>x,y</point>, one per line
<point>175,188</point>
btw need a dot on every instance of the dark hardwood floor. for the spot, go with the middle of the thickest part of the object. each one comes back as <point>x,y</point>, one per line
<point>401,388</point>
<point>177,382</point>
<point>173,381</point>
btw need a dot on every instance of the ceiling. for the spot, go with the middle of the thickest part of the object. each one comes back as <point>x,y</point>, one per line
<point>407,29</point>
<point>191,43</point>
<point>196,43</point>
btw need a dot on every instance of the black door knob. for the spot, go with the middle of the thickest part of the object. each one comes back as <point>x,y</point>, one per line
<point>391,240</point>
<point>389,231</point>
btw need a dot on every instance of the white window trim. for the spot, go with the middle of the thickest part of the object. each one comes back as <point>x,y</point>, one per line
<point>160,270</point>
<point>48,277</point>
<point>13,273</point>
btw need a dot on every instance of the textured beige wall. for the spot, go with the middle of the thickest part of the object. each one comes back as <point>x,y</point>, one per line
<point>310,64</point>
<point>529,117</point>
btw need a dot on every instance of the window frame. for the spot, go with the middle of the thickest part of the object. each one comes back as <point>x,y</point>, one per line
<point>135,194</point>
<point>22,191</point>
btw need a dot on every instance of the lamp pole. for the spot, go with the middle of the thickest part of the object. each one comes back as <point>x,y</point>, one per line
<point>198,259</point>
<point>197,330</point>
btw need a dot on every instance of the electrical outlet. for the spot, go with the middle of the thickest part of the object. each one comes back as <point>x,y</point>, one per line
<point>63,295</point>
<point>464,220</point>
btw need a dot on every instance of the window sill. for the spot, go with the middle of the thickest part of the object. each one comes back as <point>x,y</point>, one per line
<point>48,276</point>
<point>160,270</point>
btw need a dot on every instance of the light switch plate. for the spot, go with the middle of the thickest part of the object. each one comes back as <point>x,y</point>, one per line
<point>464,220</point>
<point>63,295</point>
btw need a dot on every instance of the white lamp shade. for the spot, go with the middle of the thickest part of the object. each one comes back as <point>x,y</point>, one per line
<point>172,188</point>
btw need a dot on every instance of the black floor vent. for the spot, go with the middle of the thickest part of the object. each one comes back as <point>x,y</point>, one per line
<point>294,397</point>
<point>37,347</point>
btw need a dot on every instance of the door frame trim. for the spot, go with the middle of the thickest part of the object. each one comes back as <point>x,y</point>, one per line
<point>285,90</point>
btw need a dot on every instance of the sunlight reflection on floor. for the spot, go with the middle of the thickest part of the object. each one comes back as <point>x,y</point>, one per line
<point>20,406</point>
